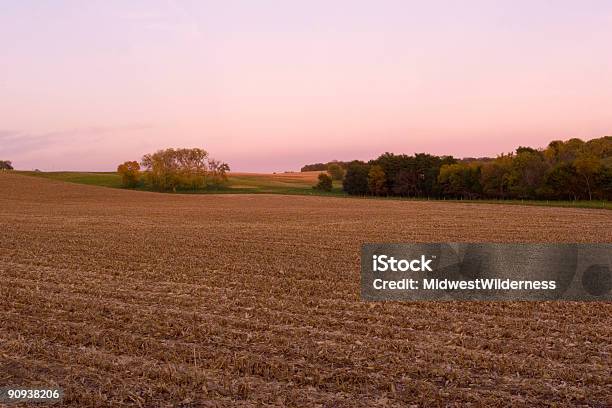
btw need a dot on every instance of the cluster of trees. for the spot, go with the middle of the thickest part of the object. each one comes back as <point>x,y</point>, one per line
<point>6,165</point>
<point>175,169</point>
<point>572,170</point>
<point>391,174</point>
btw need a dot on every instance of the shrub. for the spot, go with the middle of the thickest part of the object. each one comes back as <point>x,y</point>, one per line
<point>325,183</point>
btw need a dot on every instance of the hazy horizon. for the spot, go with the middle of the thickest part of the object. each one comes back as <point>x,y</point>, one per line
<point>273,86</point>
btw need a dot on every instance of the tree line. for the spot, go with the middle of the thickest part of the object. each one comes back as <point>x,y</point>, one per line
<point>323,166</point>
<point>564,170</point>
<point>174,169</point>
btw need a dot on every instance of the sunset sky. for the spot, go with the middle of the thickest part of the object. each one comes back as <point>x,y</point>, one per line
<point>272,85</point>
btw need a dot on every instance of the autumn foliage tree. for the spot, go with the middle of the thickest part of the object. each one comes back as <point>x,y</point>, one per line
<point>130,173</point>
<point>376,180</point>
<point>217,173</point>
<point>495,176</point>
<point>184,169</point>
<point>588,166</point>
<point>460,180</point>
<point>527,173</point>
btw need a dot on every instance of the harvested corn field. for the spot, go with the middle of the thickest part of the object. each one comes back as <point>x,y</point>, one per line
<point>130,298</point>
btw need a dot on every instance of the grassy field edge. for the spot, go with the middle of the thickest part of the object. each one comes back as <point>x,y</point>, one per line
<point>289,184</point>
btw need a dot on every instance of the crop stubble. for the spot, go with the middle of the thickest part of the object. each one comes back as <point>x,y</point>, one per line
<point>136,298</point>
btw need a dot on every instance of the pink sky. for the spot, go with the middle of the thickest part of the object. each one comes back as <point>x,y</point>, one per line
<point>272,85</point>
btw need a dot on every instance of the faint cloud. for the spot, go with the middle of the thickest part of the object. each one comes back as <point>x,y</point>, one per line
<point>172,19</point>
<point>14,142</point>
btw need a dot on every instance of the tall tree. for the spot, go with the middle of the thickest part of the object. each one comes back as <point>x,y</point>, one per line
<point>356,178</point>
<point>461,180</point>
<point>130,173</point>
<point>217,173</point>
<point>494,176</point>
<point>587,166</point>
<point>563,182</point>
<point>377,180</point>
<point>406,183</point>
<point>527,173</point>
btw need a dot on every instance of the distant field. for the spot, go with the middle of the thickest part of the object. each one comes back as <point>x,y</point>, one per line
<point>105,179</point>
<point>281,183</point>
<point>130,298</point>
<point>289,183</point>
